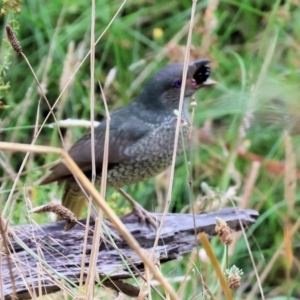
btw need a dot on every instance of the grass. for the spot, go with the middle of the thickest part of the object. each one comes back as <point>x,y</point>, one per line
<point>254,49</point>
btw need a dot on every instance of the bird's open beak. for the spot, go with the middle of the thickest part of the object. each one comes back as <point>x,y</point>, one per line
<point>209,82</point>
<point>201,73</point>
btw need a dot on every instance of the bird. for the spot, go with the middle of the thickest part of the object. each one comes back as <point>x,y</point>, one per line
<point>141,136</point>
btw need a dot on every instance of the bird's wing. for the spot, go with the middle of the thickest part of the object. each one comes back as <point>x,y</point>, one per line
<point>123,133</point>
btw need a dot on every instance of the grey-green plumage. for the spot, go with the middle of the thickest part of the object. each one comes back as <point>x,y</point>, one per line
<point>141,137</point>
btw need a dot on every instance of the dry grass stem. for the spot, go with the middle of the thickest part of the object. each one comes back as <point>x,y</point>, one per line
<point>184,77</point>
<point>4,248</point>
<point>198,274</point>
<point>250,183</point>
<point>189,268</point>
<point>245,199</point>
<point>92,90</point>
<point>142,296</point>
<point>42,92</point>
<point>106,146</point>
<point>290,186</point>
<point>258,278</point>
<point>206,245</point>
<point>210,24</point>
<point>290,179</point>
<point>156,263</point>
<point>96,238</point>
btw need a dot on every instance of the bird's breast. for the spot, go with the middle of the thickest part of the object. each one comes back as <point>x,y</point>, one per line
<point>151,155</point>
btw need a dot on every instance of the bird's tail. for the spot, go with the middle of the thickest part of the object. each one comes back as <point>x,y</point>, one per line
<point>73,199</point>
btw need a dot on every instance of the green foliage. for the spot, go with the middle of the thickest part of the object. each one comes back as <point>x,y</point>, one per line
<point>254,49</point>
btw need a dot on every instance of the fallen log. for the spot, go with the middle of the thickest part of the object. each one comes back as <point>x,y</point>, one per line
<point>39,257</point>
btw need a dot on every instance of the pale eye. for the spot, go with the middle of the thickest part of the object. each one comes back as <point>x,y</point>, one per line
<point>177,84</point>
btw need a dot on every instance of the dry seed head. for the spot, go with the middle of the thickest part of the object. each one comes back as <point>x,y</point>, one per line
<point>13,39</point>
<point>234,277</point>
<point>223,231</point>
<point>234,282</point>
<point>60,210</point>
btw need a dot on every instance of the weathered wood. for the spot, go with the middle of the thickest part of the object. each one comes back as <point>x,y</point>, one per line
<point>53,254</point>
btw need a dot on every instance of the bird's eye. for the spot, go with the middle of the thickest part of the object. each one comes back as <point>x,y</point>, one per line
<point>177,84</point>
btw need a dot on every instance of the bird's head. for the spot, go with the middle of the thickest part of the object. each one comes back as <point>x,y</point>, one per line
<point>165,86</point>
